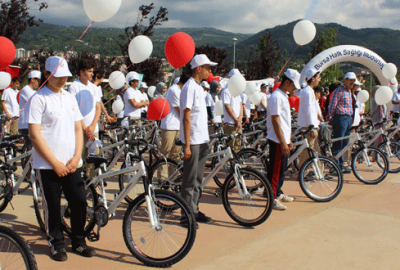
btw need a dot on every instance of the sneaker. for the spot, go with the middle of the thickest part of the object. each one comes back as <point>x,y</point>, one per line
<point>285,198</point>
<point>345,170</point>
<point>84,250</point>
<point>184,223</point>
<point>278,205</point>
<point>200,217</point>
<point>59,254</point>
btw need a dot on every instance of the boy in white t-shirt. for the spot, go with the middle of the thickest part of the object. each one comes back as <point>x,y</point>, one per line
<point>279,126</point>
<point>97,80</point>
<point>194,134</point>
<point>10,106</point>
<point>55,128</point>
<point>133,98</point>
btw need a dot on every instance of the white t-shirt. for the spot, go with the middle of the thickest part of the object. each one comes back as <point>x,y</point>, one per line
<point>396,97</point>
<point>235,102</point>
<point>121,113</point>
<point>357,112</point>
<point>318,109</point>
<point>145,98</point>
<point>129,109</point>
<point>87,98</point>
<point>25,95</point>
<point>57,114</point>
<point>278,104</point>
<point>308,114</point>
<point>264,100</point>
<point>211,103</point>
<point>171,121</point>
<point>246,102</point>
<point>99,91</point>
<point>10,96</point>
<point>192,97</point>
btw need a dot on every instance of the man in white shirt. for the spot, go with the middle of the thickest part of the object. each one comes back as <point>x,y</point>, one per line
<point>279,126</point>
<point>396,102</point>
<point>10,106</point>
<point>262,106</point>
<point>193,116</point>
<point>143,90</point>
<point>308,114</point>
<point>134,101</point>
<point>24,102</point>
<point>233,114</point>
<point>97,80</point>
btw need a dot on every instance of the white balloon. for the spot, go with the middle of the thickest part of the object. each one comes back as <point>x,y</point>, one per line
<point>383,95</point>
<point>219,108</point>
<point>118,106</point>
<point>140,48</point>
<point>117,79</point>
<point>256,97</point>
<point>251,87</point>
<point>236,85</point>
<point>304,32</point>
<point>389,71</point>
<point>151,91</point>
<point>362,96</point>
<point>5,80</point>
<point>101,10</point>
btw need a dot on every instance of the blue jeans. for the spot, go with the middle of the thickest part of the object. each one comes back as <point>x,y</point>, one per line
<point>341,127</point>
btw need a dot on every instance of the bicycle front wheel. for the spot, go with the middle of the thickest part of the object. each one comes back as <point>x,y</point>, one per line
<point>370,165</point>
<point>14,251</point>
<point>167,244</point>
<point>249,209</point>
<point>322,182</point>
<point>392,152</point>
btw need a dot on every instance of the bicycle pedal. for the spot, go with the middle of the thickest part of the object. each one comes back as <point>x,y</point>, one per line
<point>93,237</point>
<point>217,193</point>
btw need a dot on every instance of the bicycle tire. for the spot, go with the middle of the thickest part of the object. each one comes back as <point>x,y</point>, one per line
<point>379,166</point>
<point>39,207</point>
<point>136,219</point>
<point>394,159</point>
<point>123,179</point>
<point>158,178</point>
<point>91,196</point>
<point>109,154</point>
<point>5,190</point>
<point>248,157</point>
<point>325,189</point>
<point>225,170</point>
<point>16,245</point>
<point>258,188</point>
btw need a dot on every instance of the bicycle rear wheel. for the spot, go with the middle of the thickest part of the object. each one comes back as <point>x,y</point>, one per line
<point>14,251</point>
<point>370,165</point>
<point>253,209</point>
<point>252,158</point>
<point>322,189</point>
<point>5,191</point>
<point>393,155</point>
<point>167,175</point>
<point>162,246</point>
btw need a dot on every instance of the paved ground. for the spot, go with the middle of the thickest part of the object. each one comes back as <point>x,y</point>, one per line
<point>358,230</point>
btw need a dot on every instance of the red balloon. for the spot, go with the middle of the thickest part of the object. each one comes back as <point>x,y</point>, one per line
<point>7,52</point>
<point>210,78</point>
<point>158,109</point>
<point>276,86</point>
<point>18,96</point>
<point>297,103</point>
<point>292,99</point>
<point>179,49</point>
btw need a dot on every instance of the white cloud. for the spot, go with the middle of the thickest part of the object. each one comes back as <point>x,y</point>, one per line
<point>237,15</point>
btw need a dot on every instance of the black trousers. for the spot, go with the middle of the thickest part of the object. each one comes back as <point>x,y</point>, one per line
<point>277,166</point>
<point>73,187</point>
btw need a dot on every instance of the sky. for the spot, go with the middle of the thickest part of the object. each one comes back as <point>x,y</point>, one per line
<point>236,16</point>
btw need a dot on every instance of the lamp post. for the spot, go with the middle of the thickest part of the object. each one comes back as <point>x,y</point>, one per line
<point>234,50</point>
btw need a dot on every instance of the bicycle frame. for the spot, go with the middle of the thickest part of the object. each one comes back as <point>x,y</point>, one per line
<point>16,184</point>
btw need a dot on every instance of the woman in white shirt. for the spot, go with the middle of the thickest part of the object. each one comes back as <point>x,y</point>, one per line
<point>56,133</point>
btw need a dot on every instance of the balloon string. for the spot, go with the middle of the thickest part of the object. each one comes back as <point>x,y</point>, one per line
<point>43,84</point>
<point>277,77</point>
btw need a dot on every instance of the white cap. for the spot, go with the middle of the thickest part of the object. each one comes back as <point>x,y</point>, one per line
<point>205,85</point>
<point>357,82</point>
<point>59,66</point>
<point>132,76</point>
<point>35,74</point>
<point>144,85</point>
<point>177,80</point>
<point>350,75</point>
<point>201,60</point>
<point>234,72</point>
<point>294,76</point>
<point>310,73</point>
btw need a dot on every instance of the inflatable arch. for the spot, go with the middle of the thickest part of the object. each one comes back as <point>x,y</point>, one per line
<point>350,53</point>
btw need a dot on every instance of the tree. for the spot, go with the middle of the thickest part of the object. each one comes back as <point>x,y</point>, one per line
<point>15,18</point>
<point>151,68</point>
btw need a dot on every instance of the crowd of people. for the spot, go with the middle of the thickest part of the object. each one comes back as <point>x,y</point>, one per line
<point>61,123</point>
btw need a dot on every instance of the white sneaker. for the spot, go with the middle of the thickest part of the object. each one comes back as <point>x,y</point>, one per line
<point>278,205</point>
<point>285,198</point>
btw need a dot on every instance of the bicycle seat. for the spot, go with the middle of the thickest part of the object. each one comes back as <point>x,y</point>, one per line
<point>178,142</point>
<point>112,126</point>
<point>14,137</point>
<point>96,160</point>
